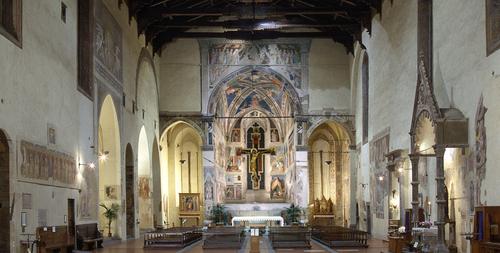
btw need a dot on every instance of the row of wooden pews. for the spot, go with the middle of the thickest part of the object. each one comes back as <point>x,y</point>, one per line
<point>290,237</point>
<point>176,237</point>
<point>337,236</point>
<point>223,238</point>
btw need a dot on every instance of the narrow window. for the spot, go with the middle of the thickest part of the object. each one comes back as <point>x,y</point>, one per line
<point>365,94</point>
<point>85,47</point>
<point>63,12</point>
<point>11,20</point>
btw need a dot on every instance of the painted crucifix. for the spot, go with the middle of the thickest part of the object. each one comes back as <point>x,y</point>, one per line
<point>254,152</point>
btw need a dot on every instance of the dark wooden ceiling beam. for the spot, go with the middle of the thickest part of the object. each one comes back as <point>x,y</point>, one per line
<point>247,24</point>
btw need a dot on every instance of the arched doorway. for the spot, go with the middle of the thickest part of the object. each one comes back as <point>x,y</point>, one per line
<point>129,191</point>
<point>144,182</point>
<point>4,194</point>
<point>181,156</point>
<point>329,171</point>
<point>109,165</point>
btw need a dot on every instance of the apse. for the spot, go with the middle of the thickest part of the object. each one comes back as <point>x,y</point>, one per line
<point>329,171</point>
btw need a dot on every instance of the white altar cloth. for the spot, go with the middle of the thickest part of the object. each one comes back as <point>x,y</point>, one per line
<point>251,219</point>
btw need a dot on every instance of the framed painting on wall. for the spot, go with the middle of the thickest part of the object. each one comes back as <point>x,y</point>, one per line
<point>189,203</point>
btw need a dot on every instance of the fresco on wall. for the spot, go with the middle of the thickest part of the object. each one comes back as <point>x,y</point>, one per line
<point>108,42</point>
<point>87,208</point>
<point>481,140</point>
<point>378,173</point>
<point>254,101</point>
<point>278,187</point>
<point>233,192</point>
<point>144,187</point>
<point>253,53</point>
<point>39,163</point>
<point>285,58</point>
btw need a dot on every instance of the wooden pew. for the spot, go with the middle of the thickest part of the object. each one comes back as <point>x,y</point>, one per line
<point>290,237</point>
<point>57,240</point>
<point>176,237</point>
<point>223,238</point>
<point>88,237</point>
<point>336,236</point>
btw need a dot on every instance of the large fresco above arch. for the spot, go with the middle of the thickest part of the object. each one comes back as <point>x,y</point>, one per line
<point>276,65</point>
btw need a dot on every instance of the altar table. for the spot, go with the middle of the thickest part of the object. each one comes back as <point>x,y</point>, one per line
<point>251,219</point>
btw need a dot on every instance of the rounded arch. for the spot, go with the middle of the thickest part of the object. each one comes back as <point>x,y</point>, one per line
<point>359,50</point>
<point>345,126</point>
<point>145,57</point>
<point>181,154</point>
<point>287,87</point>
<point>144,181</point>
<point>5,193</point>
<point>177,120</point>
<point>109,162</point>
<point>329,165</point>
<point>146,85</point>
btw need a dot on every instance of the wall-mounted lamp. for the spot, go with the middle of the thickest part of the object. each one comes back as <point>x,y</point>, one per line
<point>381,178</point>
<point>24,221</point>
<point>90,165</point>
<point>182,161</point>
<point>328,162</point>
<point>363,185</point>
<point>103,156</point>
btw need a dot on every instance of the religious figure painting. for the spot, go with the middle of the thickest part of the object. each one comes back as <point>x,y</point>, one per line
<point>233,192</point>
<point>233,164</point>
<point>378,173</point>
<point>40,163</point>
<point>481,140</point>
<point>256,101</point>
<point>108,41</point>
<point>275,137</point>
<point>111,192</point>
<point>144,187</point>
<point>278,187</point>
<point>236,135</point>
<point>189,202</point>
<point>278,164</point>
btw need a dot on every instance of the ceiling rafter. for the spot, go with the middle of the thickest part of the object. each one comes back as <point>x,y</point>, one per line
<point>165,20</point>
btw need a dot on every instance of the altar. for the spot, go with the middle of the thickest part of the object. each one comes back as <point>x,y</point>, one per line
<point>258,219</point>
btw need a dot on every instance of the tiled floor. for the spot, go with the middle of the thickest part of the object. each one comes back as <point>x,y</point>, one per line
<point>135,246</point>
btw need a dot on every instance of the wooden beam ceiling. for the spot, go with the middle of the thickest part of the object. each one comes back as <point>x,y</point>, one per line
<point>165,20</point>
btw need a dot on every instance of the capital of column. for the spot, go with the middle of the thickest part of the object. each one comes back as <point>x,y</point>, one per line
<point>439,150</point>
<point>414,157</point>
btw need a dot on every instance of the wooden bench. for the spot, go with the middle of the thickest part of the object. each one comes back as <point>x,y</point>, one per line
<point>223,238</point>
<point>88,237</point>
<point>54,239</point>
<point>176,237</point>
<point>337,237</point>
<point>290,237</point>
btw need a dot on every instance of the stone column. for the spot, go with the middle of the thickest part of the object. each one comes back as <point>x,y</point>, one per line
<point>440,199</point>
<point>353,158</point>
<point>414,187</point>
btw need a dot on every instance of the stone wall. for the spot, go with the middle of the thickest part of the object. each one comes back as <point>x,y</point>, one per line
<point>39,91</point>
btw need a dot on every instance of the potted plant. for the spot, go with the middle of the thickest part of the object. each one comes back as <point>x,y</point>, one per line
<point>219,214</point>
<point>111,213</point>
<point>293,214</point>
